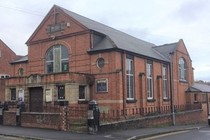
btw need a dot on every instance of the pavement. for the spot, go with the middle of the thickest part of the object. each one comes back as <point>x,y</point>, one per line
<point>130,134</point>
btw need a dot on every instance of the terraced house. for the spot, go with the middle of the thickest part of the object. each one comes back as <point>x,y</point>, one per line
<point>75,59</point>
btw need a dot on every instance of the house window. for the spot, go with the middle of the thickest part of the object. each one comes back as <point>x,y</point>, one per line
<point>102,85</point>
<point>61,92</point>
<point>13,94</point>
<point>149,80</point>
<point>165,83</point>
<point>81,92</point>
<point>195,98</point>
<point>130,77</point>
<point>182,70</point>
<point>57,59</point>
<point>0,53</point>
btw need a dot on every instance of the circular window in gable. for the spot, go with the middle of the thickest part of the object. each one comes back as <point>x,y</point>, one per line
<point>100,62</point>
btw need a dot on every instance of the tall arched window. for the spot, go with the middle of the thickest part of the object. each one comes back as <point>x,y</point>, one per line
<point>57,59</point>
<point>182,70</point>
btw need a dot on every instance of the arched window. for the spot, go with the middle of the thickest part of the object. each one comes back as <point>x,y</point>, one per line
<point>57,59</point>
<point>182,70</point>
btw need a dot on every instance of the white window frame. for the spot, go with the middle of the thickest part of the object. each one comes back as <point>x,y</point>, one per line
<point>54,70</point>
<point>129,75</point>
<point>149,82</point>
<point>182,69</point>
<point>165,83</point>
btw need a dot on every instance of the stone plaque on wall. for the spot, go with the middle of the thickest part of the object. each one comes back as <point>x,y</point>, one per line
<point>48,93</point>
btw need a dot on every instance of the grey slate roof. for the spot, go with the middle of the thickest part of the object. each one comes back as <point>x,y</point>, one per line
<point>166,49</point>
<point>198,87</point>
<point>117,39</point>
<point>21,59</point>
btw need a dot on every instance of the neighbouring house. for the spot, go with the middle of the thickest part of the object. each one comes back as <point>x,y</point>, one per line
<point>75,59</point>
<point>6,56</point>
<point>198,93</point>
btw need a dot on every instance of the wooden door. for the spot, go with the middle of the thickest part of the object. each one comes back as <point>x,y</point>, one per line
<point>36,99</point>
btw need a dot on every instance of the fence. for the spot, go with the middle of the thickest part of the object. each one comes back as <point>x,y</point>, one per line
<point>128,113</point>
<point>74,117</point>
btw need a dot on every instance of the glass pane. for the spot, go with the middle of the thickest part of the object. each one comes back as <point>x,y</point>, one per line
<point>49,56</point>
<point>131,87</point>
<point>64,52</point>
<point>65,65</point>
<point>127,66</point>
<point>49,67</point>
<point>81,92</point>
<point>13,94</point>
<point>57,59</point>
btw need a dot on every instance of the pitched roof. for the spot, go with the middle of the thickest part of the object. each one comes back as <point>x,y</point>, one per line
<point>116,39</point>
<point>167,49</point>
<point>20,59</point>
<point>198,87</point>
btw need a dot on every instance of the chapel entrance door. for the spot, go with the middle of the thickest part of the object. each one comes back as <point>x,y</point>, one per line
<point>36,99</point>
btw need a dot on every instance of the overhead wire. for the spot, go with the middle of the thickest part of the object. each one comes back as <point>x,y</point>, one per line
<point>24,10</point>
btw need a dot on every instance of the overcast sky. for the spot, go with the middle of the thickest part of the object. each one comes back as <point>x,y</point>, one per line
<point>156,21</point>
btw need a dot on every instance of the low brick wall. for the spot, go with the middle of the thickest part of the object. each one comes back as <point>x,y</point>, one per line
<point>9,118</point>
<point>41,120</point>
<point>188,117</point>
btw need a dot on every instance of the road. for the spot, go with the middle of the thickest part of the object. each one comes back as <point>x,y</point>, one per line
<point>196,134</point>
<point>9,138</point>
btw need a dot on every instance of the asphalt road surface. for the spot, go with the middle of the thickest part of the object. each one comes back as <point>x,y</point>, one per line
<point>9,138</point>
<point>196,134</point>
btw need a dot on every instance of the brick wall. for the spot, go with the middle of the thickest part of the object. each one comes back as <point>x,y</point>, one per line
<point>188,117</point>
<point>9,118</point>
<point>6,56</point>
<point>2,89</point>
<point>41,120</point>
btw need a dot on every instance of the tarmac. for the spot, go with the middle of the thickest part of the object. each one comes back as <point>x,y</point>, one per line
<point>130,134</point>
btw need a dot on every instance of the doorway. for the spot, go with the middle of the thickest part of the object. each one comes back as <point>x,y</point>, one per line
<point>36,99</point>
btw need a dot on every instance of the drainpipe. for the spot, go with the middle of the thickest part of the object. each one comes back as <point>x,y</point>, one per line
<point>207,104</point>
<point>172,88</point>
<point>123,81</point>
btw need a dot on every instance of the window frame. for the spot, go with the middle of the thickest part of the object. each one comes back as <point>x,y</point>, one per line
<point>101,81</point>
<point>13,94</point>
<point>149,69</point>
<point>165,82</point>
<point>84,93</point>
<point>61,96</point>
<point>57,62</point>
<point>130,77</point>
<point>182,70</point>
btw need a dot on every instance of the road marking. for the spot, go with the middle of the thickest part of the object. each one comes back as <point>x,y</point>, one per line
<point>109,136</point>
<point>164,135</point>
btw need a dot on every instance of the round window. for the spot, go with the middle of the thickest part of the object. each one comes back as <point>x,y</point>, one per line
<point>100,62</point>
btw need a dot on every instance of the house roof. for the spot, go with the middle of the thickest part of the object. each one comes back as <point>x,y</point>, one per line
<point>20,59</point>
<point>198,87</point>
<point>117,39</point>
